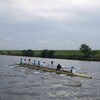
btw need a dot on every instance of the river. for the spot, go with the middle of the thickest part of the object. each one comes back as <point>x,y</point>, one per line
<point>20,83</point>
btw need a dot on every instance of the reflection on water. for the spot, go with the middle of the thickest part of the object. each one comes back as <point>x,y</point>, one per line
<point>21,83</point>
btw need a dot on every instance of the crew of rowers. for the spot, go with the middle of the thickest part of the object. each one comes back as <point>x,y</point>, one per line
<point>39,64</point>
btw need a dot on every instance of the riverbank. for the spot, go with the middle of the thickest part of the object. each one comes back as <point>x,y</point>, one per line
<point>60,54</point>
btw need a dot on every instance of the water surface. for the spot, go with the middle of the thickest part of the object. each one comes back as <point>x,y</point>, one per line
<point>20,83</point>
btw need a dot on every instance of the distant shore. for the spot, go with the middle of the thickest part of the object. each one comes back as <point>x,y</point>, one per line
<point>60,54</point>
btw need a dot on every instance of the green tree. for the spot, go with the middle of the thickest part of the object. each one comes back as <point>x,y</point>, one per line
<point>28,52</point>
<point>93,53</point>
<point>86,50</point>
<point>47,53</point>
<point>51,53</point>
<point>44,53</point>
<point>8,52</point>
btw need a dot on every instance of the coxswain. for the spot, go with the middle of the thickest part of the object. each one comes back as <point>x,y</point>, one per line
<point>59,67</point>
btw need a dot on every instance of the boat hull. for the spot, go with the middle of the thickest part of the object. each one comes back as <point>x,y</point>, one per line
<point>56,71</point>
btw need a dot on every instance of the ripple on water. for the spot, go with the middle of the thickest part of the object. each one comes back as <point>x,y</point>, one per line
<point>59,93</point>
<point>30,71</point>
<point>55,82</point>
<point>30,86</point>
<point>22,76</point>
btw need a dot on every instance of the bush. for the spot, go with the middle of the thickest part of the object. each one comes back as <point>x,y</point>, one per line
<point>28,52</point>
<point>47,53</point>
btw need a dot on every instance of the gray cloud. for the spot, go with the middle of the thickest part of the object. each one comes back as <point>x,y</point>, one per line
<point>61,24</point>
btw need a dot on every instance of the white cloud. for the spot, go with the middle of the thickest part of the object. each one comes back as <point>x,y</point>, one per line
<point>8,39</point>
<point>43,42</point>
<point>26,10</point>
<point>70,42</point>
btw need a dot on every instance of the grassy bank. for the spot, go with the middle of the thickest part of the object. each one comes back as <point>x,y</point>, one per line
<point>62,54</point>
<point>75,55</point>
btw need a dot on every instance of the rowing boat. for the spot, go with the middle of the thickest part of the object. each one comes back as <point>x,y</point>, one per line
<point>56,71</point>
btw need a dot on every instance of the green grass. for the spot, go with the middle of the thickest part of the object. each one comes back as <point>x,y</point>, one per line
<point>63,54</point>
<point>37,52</point>
<point>67,52</point>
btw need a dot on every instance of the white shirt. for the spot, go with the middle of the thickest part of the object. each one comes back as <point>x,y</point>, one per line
<point>73,71</point>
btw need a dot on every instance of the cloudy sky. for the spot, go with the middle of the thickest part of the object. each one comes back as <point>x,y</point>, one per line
<point>49,24</point>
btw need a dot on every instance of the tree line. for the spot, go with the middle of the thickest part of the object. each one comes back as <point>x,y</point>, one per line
<point>85,53</point>
<point>45,53</point>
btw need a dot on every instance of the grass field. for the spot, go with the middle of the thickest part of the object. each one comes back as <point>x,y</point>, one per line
<point>63,54</point>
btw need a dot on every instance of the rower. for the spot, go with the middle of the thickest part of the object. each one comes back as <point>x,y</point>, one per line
<point>21,61</point>
<point>29,61</point>
<point>44,64</point>
<point>52,66</point>
<point>34,63</point>
<point>38,64</point>
<point>73,70</point>
<point>59,67</point>
<point>25,61</point>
